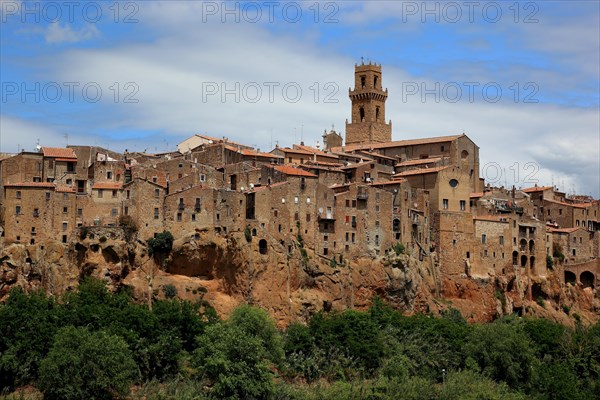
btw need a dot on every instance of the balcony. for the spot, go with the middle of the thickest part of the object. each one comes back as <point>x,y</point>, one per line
<point>362,195</point>
<point>326,216</point>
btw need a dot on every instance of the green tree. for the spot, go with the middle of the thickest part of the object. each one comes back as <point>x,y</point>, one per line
<point>502,352</point>
<point>87,365</point>
<point>468,385</point>
<point>232,362</point>
<point>161,245</point>
<point>28,323</point>
<point>256,322</point>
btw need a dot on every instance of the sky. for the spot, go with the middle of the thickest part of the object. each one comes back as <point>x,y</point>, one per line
<point>520,78</point>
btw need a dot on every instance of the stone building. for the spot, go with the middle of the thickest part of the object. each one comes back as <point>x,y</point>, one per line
<point>368,98</point>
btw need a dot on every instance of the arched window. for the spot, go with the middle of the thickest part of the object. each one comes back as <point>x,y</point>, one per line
<point>464,154</point>
<point>376,113</point>
<point>523,261</point>
<point>362,114</point>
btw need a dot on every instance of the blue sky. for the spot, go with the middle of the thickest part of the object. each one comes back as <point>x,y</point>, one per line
<point>167,70</point>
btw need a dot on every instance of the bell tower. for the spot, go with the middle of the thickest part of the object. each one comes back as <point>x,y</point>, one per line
<point>368,108</point>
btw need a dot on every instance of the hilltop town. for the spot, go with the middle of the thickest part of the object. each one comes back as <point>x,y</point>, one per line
<point>302,228</point>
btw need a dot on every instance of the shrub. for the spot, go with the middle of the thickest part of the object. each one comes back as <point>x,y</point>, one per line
<point>170,291</point>
<point>566,309</point>
<point>232,363</point>
<point>87,365</point>
<point>398,248</point>
<point>557,251</point>
<point>127,221</point>
<point>549,261</point>
<point>248,234</point>
<point>162,244</point>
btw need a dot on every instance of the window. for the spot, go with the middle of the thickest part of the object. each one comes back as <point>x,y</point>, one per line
<point>51,163</point>
<point>157,193</point>
<point>113,212</point>
<point>79,212</point>
<point>47,195</point>
<point>296,217</point>
<point>377,208</point>
<point>65,196</point>
<point>463,205</point>
<point>65,210</point>
<point>442,148</point>
<point>501,240</point>
<point>179,217</point>
<point>307,217</point>
<point>202,178</point>
<point>468,254</point>
<point>128,194</point>
<point>114,193</point>
<point>354,203</point>
<point>275,213</point>
<point>180,165</point>
<point>193,217</point>
<point>156,213</point>
<point>100,193</point>
<point>36,212</point>
<point>353,237</point>
<point>154,179</point>
<point>308,200</point>
<point>453,183</point>
<point>18,194</point>
<point>445,204</point>
<point>109,175</point>
<point>485,253</point>
<point>18,210</point>
<point>560,211</point>
<point>347,236</point>
<point>347,203</point>
<point>126,210</point>
<point>295,199</point>
<point>64,226</point>
<point>483,238</point>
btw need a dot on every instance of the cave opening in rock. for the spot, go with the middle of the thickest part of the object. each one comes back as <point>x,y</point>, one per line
<point>587,279</point>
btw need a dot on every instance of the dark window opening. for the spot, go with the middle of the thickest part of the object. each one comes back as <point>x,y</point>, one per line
<point>262,246</point>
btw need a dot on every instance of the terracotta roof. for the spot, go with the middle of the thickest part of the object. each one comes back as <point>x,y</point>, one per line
<point>107,185</point>
<point>353,166</point>
<point>322,163</point>
<point>562,230</point>
<point>289,170</point>
<point>476,195</point>
<point>394,182</point>
<point>418,162</point>
<point>401,143</point>
<point>59,152</point>
<point>579,205</point>
<point>254,153</point>
<point>536,189</point>
<point>422,171</point>
<point>31,184</point>
<point>377,155</point>
<point>313,150</point>
<point>65,189</point>
<point>295,151</point>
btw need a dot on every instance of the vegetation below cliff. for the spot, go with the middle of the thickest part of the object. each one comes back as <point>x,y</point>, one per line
<point>95,344</point>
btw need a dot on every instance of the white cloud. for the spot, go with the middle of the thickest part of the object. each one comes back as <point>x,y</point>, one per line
<point>56,33</point>
<point>187,54</point>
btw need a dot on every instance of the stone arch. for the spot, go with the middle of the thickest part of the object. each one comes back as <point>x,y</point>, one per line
<point>587,279</point>
<point>570,277</point>
<point>515,257</point>
<point>523,244</point>
<point>523,261</point>
<point>262,246</point>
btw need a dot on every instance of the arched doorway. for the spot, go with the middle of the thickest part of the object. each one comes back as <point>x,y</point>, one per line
<point>587,279</point>
<point>523,261</point>
<point>262,246</point>
<point>570,277</point>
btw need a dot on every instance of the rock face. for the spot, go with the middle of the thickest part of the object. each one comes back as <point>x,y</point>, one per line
<point>291,285</point>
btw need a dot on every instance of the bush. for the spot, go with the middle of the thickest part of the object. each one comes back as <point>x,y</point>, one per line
<point>87,365</point>
<point>398,248</point>
<point>127,221</point>
<point>557,251</point>
<point>248,234</point>
<point>566,309</point>
<point>170,291</point>
<point>232,363</point>
<point>502,352</point>
<point>257,323</point>
<point>162,244</point>
<point>549,261</point>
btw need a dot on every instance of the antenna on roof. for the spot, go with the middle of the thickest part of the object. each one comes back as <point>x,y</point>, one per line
<point>302,133</point>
